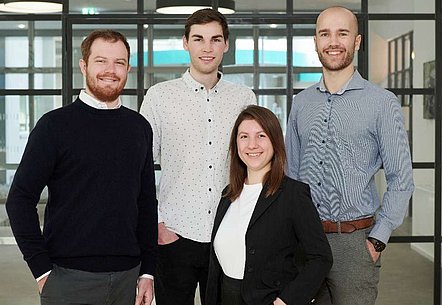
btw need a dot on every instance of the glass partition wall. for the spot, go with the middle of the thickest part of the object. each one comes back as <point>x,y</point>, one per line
<point>272,52</point>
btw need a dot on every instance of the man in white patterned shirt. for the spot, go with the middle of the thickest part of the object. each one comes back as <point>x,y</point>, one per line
<point>191,118</point>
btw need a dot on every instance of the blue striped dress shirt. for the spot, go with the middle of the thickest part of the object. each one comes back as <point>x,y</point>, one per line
<point>337,142</point>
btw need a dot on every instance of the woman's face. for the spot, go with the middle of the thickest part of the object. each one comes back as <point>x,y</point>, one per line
<point>254,147</point>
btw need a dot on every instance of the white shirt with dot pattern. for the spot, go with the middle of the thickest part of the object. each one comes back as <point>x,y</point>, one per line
<point>191,132</point>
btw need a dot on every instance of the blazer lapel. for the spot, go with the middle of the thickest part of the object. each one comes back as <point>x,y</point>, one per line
<point>262,205</point>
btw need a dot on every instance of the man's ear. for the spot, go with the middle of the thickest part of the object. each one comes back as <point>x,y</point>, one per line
<point>358,41</point>
<point>185,46</point>
<point>83,66</point>
<point>227,46</point>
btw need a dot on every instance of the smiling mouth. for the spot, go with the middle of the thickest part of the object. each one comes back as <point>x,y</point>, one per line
<point>254,154</point>
<point>334,52</point>
<point>207,58</point>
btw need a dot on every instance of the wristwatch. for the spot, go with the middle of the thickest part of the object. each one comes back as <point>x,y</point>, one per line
<point>377,244</point>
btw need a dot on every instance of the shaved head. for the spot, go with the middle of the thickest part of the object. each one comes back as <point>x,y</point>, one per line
<point>339,12</point>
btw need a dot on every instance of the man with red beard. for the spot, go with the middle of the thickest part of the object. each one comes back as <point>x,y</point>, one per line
<point>99,240</point>
<point>340,132</point>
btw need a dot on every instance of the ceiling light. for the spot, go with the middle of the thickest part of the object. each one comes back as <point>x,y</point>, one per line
<point>190,6</point>
<point>31,6</point>
<point>21,26</point>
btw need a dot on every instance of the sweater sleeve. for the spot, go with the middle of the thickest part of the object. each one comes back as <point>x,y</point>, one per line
<point>31,177</point>
<point>148,214</point>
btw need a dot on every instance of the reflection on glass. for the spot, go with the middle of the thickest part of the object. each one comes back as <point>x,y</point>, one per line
<point>400,6</point>
<point>319,5</point>
<point>87,7</point>
<point>245,79</point>
<point>48,51</point>
<point>169,52</point>
<point>304,54</point>
<point>16,51</point>
<point>272,80</point>
<point>47,81</point>
<point>272,51</point>
<point>15,81</point>
<point>244,51</point>
<point>423,132</point>
<point>278,105</point>
<point>130,101</point>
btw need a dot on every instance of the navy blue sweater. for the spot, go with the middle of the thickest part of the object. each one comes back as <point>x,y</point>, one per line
<point>101,213</point>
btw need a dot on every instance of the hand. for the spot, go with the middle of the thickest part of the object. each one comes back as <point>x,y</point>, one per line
<point>165,236</point>
<point>374,255</point>
<point>41,283</point>
<point>278,301</point>
<point>144,292</point>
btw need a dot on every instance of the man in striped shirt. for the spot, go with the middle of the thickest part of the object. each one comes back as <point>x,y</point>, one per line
<point>341,131</point>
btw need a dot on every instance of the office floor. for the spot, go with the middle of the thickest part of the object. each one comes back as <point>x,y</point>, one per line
<point>406,278</point>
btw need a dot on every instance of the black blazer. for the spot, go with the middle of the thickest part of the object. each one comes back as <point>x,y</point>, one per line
<point>280,224</point>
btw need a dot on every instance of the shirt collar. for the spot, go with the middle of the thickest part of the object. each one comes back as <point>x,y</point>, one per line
<point>196,86</point>
<point>355,82</point>
<point>93,102</point>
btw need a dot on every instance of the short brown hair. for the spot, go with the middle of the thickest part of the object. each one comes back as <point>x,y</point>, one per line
<point>204,16</point>
<point>238,170</point>
<point>106,35</point>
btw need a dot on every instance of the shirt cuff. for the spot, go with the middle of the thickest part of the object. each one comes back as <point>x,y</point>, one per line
<point>43,275</point>
<point>146,276</point>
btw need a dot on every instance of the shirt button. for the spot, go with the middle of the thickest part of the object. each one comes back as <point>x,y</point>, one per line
<point>210,143</point>
<point>323,141</point>
<point>318,205</point>
<point>196,90</point>
<point>216,91</point>
<point>250,269</point>
<point>210,166</point>
<point>319,183</point>
<point>320,162</point>
<point>210,120</point>
<point>210,189</point>
<point>202,88</point>
<point>325,120</point>
<point>252,251</point>
<point>209,211</point>
<point>208,100</point>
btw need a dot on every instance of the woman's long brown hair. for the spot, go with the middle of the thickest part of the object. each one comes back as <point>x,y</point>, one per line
<point>238,170</point>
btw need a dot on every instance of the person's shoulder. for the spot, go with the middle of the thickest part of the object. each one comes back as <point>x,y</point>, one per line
<point>134,116</point>
<point>375,90</point>
<point>165,85</point>
<point>61,112</point>
<point>307,91</point>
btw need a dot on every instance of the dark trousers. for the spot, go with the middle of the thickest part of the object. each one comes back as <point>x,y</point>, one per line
<point>231,291</point>
<point>182,265</point>
<point>74,287</point>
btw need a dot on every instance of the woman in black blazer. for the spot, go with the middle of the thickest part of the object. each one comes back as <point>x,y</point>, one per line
<point>262,220</point>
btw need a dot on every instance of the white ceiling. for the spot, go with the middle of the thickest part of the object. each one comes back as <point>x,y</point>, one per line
<point>241,5</point>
